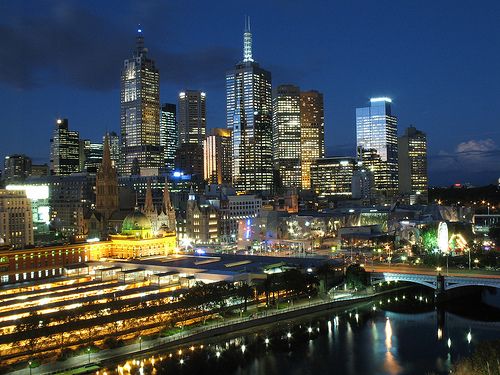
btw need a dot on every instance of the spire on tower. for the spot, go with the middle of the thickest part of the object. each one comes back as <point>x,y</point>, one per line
<point>139,40</point>
<point>247,42</point>
<point>148,202</point>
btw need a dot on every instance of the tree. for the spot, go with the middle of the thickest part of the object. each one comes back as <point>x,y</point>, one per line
<point>323,272</point>
<point>356,277</point>
<point>245,292</point>
<point>29,325</point>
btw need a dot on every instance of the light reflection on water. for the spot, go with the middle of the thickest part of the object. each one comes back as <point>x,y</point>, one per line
<point>356,342</point>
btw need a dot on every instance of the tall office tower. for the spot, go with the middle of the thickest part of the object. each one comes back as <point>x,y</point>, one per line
<point>16,219</point>
<point>64,149</point>
<point>217,156</point>
<point>192,117</point>
<point>312,132</point>
<point>249,116</point>
<point>169,135</point>
<point>287,135</point>
<point>376,130</point>
<point>16,167</point>
<point>412,157</point>
<point>106,186</point>
<point>114,147</point>
<point>92,156</point>
<point>140,112</point>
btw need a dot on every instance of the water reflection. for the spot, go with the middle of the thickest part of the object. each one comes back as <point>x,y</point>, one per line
<point>396,338</point>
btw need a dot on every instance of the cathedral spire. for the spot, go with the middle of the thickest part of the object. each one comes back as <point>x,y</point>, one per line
<point>106,155</point>
<point>247,42</point>
<point>167,204</point>
<point>148,202</point>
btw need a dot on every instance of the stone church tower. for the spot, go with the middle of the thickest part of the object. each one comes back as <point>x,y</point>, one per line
<point>106,186</point>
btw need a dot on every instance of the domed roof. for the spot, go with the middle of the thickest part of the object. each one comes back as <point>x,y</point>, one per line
<point>136,221</point>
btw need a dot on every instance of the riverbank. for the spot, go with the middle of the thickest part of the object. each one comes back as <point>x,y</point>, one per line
<point>139,349</point>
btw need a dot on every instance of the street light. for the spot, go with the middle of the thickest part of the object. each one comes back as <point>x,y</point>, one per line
<point>29,365</point>
<point>476,263</point>
<point>140,342</point>
<point>88,352</point>
<point>438,269</point>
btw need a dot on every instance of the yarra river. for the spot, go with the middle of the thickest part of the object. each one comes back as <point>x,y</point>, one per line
<point>402,333</point>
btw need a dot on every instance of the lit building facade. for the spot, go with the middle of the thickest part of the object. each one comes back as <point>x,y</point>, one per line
<point>376,130</point>
<point>16,167</point>
<point>363,186</point>
<point>169,135</point>
<point>217,156</point>
<point>140,112</point>
<point>312,132</point>
<point>192,117</point>
<point>287,135</point>
<point>92,156</point>
<point>16,219</point>
<point>249,117</point>
<point>64,149</point>
<point>332,177</point>
<point>189,159</point>
<point>412,157</point>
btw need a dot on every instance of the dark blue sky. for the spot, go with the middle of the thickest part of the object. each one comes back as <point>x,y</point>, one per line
<point>438,60</point>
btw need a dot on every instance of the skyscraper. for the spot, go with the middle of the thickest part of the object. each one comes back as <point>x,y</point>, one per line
<point>16,219</point>
<point>312,132</point>
<point>217,156</point>
<point>376,131</point>
<point>64,149</point>
<point>192,116</point>
<point>286,135</point>
<point>140,112</point>
<point>333,176</point>
<point>169,135</point>
<point>249,116</point>
<point>92,156</point>
<point>16,167</point>
<point>412,157</point>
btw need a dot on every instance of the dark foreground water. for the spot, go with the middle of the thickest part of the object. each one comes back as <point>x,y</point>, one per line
<point>400,334</point>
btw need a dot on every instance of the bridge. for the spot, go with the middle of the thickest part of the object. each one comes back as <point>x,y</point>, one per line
<point>431,279</point>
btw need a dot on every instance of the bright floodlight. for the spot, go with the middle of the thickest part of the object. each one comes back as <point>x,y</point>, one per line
<point>381,99</point>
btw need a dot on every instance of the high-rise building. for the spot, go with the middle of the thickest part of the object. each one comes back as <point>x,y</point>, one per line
<point>16,167</point>
<point>362,186</point>
<point>287,135</point>
<point>249,116</point>
<point>16,219</point>
<point>192,116</point>
<point>114,147</point>
<point>312,132</point>
<point>64,149</point>
<point>412,157</point>
<point>217,156</point>
<point>92,156</point>
<point>189,159</point>
<point>333,176</point>
<point>169,135</point>
<point>140,112</point>
<point>376,130</point>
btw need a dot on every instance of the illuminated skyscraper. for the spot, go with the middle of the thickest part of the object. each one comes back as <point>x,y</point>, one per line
<point>140,112</point>
<point>376,132</point>
<point>217,156</point>
<point>16,167</point>
<point>333,176</point>
<point>169,135</point>
<point>92,156</point>
<point>114,147</point>
<point>249,116</point>
<point>286,135</point>
<point>64,149</point>
<point>192,117</point>
<point>312,132</point>
<point>412,156</point>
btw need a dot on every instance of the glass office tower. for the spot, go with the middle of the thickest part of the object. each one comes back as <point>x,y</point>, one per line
<point>169,135</point>
<point>140,112</point>
<point>64,149</point>
<point>286,135</point>
<point>192,117</point>
<point>376,135</point>
<point>249,117</point>
<point>312,132</point>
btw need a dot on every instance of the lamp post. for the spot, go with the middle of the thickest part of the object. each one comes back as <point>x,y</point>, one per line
<point>29,365</point>
<point>140,342</point>
<point>476,263</point>
<point>88,352</point>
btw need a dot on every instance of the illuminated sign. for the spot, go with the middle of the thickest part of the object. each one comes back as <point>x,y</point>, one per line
<point>383,99</point>
<point>33,192</point>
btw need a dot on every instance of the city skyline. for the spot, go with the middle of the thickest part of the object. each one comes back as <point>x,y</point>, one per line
<point>420,98</point>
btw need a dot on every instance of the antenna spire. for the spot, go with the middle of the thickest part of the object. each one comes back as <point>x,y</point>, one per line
<point>247,41</point>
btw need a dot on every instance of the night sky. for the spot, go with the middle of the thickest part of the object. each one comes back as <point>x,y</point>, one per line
<point>438,60</point>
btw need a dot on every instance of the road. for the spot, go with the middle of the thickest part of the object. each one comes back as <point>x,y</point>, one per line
<point>404,268</point>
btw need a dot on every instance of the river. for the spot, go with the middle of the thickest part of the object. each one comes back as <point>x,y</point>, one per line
<point>400,334</point>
